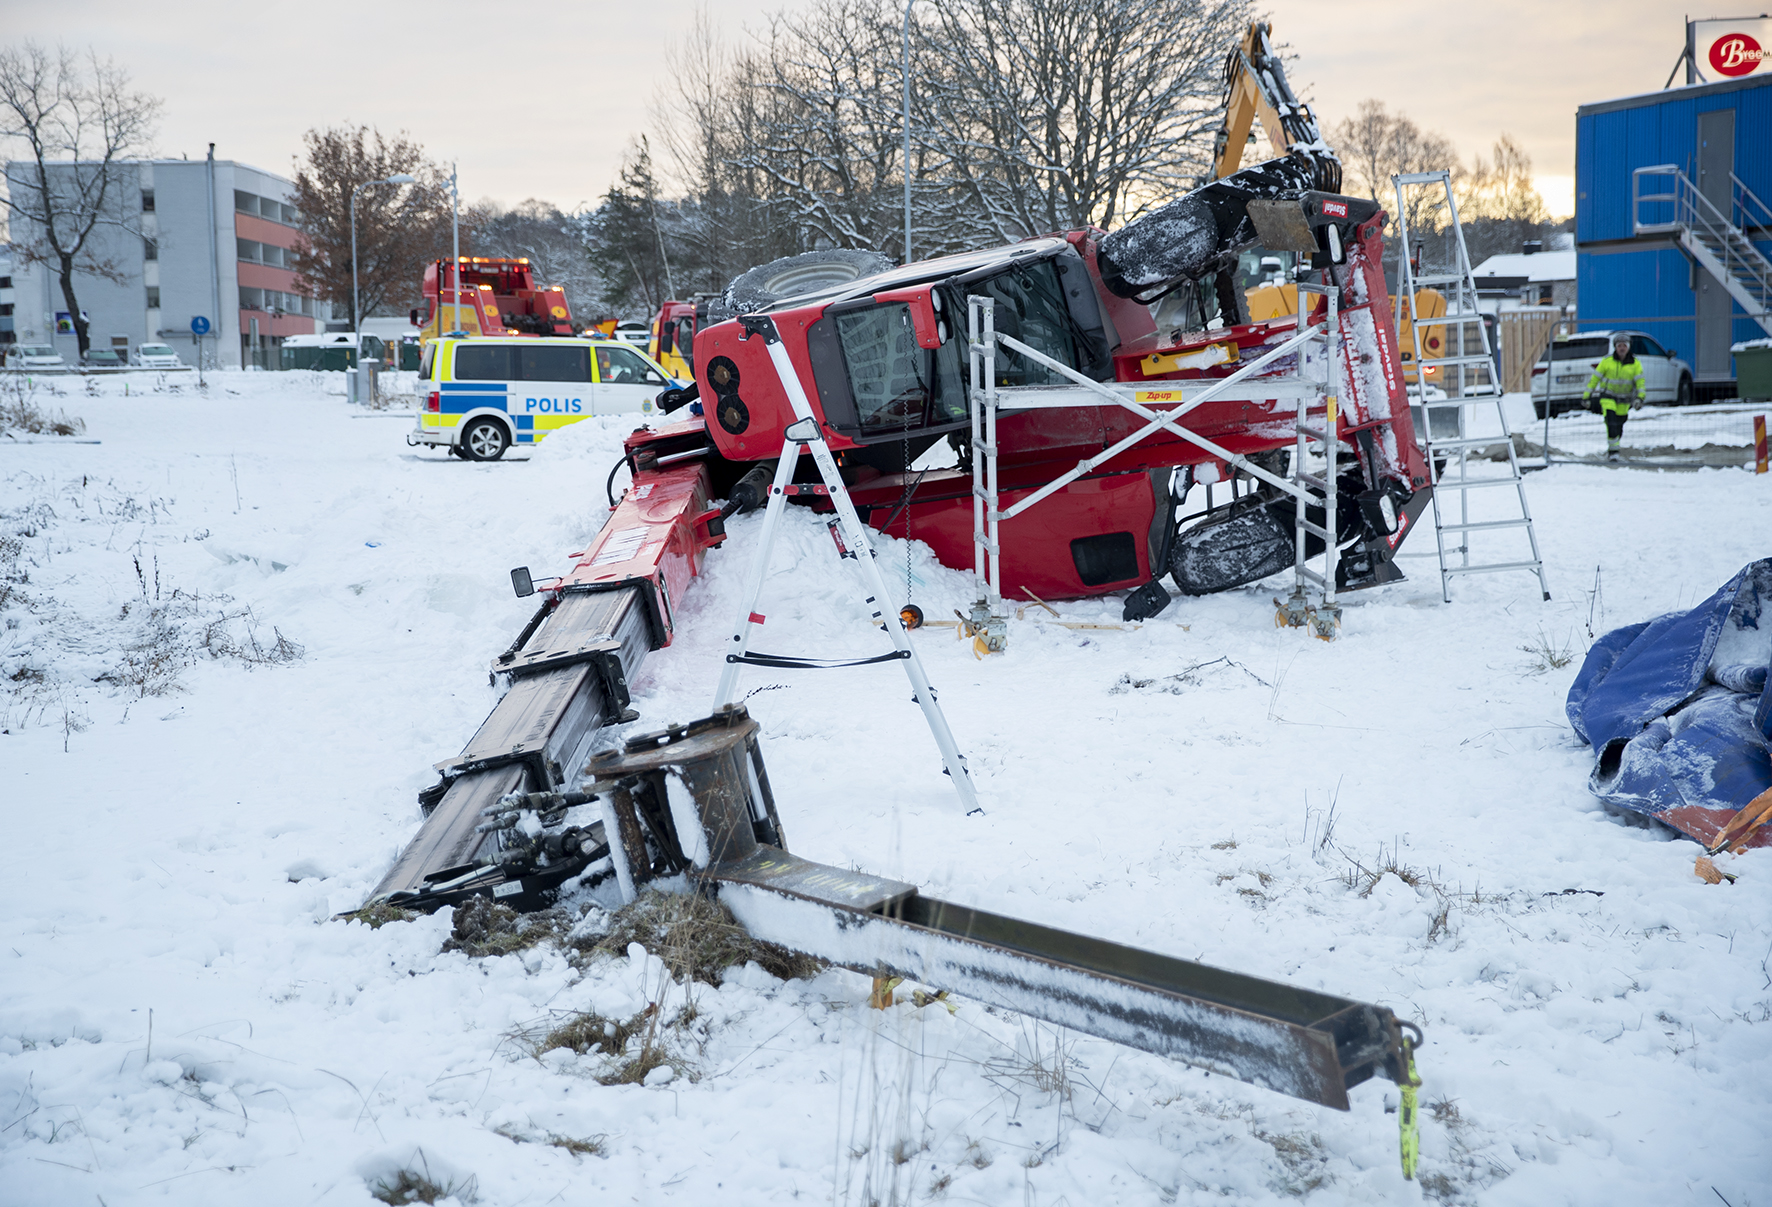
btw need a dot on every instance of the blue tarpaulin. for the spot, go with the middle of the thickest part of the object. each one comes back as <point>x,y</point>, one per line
<point>1679,710</point>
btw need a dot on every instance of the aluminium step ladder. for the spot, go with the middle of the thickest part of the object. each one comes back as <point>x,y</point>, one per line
<point>1468,378</point>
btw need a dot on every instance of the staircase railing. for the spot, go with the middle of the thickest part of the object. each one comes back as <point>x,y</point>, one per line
<point>1682,208</point>
<point>1753,213</point>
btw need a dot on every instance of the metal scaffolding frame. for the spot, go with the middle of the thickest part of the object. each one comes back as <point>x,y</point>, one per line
<point>989,399</point>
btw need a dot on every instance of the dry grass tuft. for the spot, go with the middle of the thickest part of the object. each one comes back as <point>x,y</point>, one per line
<point>591,1034</point>
<point>1548,655</point>
<point>592,1146</point>
<point>1304,1158</point>
<point>380,914</point>
<point>411,1186</point>
<point>482,927</point>
<point>1362,879</point>
<point>587,1146</point>
<point>696,938</point>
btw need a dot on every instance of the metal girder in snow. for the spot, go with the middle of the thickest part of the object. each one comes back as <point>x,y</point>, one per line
<point>692,799</point>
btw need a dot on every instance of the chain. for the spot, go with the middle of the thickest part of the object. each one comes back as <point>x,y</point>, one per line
<point>907,513</point>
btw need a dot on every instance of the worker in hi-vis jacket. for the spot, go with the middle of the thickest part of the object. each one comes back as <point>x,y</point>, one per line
<point>1618,384</point>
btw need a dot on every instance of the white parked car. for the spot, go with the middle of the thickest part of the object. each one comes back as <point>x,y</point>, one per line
<point>1563,370</point>
<point>157,356</point>
<point>34,356</point>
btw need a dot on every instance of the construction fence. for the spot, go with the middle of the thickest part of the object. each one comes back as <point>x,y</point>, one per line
<point>1719,435</point>
<point>1716,435</point>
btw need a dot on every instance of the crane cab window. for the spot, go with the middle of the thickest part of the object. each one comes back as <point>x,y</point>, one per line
<point>896,384</point>
<point>1031,308</point>
<point>875,382</point>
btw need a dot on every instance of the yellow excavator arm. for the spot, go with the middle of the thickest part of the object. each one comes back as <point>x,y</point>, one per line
<point>1255,86</point>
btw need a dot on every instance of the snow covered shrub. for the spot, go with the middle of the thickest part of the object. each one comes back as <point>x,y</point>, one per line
<point>20,411</point>
<point>169,631</point>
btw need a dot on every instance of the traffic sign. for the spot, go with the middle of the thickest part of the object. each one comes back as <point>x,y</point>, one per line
<point>199,325</point>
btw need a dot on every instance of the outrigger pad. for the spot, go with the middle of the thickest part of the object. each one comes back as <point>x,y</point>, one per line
<point>1146,602</point>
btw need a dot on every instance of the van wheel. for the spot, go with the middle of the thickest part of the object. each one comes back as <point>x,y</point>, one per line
<point>485,440</point>
<point>1683,395</point>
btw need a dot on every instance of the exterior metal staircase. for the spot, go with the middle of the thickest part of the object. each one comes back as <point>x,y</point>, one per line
<point>1714,239</point>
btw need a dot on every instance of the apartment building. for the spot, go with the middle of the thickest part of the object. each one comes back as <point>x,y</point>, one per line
<point>183,239</point>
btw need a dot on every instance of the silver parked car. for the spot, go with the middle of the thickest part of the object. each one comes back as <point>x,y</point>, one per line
<point>157,356</point>
<point>39,357</point>
<point>1564,369</point>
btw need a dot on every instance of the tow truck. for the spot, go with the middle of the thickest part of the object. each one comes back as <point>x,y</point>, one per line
<point>498,296</point>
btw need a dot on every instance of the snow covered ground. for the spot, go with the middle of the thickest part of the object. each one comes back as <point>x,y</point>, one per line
<point>315,605</point>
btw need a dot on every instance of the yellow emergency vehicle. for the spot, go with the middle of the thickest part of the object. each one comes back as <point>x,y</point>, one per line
<point>484,394</point>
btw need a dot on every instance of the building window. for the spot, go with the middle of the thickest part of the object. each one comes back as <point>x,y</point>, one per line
<point>272,254</point>
<point>246,203</point>
<point>5,310</point>
<point>247,250</point>
<point>150,249</point>
<point>251,299</point>
<point>5,282</point>
<point>147,201</point>
<point>153,297</point>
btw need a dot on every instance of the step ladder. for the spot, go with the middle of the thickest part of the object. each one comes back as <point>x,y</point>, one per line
<point>805,435</point>
<point>1467,375</point>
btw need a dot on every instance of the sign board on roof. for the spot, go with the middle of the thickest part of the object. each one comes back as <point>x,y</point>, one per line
<point>1729,49</point>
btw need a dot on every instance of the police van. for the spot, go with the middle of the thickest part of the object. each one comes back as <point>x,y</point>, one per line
<point>484,394</point>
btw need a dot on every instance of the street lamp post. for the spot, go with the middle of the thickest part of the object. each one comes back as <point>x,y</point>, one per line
<point>454,248</point>
<point>907,130</point>
<point>356,302</point>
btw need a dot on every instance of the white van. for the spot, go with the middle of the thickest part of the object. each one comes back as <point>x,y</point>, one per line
<point>482,394</point>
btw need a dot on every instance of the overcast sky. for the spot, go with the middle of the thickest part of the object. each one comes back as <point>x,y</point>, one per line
<point>541,100</point>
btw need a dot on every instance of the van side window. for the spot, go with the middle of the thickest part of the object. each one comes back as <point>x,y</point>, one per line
<point>426,360</point>
<point>623,366</point>
<point>553,362</point>
<point>484,362</point>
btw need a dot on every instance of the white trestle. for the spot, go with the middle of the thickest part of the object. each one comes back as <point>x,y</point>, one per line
<point>805,433</point>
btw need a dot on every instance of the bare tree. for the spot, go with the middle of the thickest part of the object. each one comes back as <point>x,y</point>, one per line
<point>399,227</point>
<point>1053,114</point>
<point>553,243</point>
<point>1375,145</point>
<point>1499,203</point>
<point>700,116</point>
<point>1027,116</point>
<point>77,120</point>
<point>826,138</point>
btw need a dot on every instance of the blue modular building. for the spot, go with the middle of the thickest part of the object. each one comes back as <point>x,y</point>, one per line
<point>1672,228</point>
